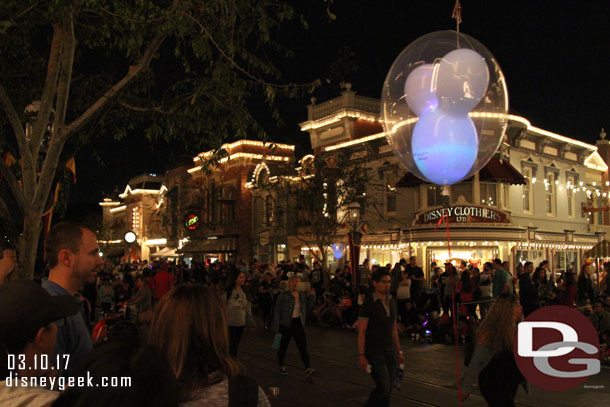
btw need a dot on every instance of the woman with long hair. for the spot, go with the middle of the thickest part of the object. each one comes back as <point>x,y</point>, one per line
<point>239,309</point>
<point>568,294</point>
<point>543,288</point>
<point>493,364</point>
<point>466,288</point>
<point>152,383</point>
<point>190,329</point>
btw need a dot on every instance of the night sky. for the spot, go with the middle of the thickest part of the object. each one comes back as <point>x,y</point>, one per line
<point>555,56</point>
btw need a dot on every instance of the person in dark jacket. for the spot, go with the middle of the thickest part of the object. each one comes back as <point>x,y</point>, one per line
<point>585,286</point>
<point>291,309</point>
<point>528,295</point>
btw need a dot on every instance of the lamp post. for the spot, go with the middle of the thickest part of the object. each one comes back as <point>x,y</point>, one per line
<point>129,237</point>
<point>355,238</point>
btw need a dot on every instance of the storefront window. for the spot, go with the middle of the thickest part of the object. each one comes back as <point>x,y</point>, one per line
<point>535,256</point>
<point>476,256</point>
<point>489,194</point>
<point>463,189</point>
<point>565,261</point>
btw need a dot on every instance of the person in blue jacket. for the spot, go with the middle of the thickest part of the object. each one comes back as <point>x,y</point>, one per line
<point>291,309</point>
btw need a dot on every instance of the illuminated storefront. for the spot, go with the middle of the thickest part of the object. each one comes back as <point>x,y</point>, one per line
<point>525,204</point>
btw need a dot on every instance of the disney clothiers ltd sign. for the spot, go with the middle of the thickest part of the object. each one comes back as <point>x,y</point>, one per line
<point>463,214</point>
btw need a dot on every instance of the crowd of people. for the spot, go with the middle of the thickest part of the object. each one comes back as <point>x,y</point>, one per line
<point>190,319</point>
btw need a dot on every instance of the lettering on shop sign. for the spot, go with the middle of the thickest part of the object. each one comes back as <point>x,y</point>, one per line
<point>463,214</point>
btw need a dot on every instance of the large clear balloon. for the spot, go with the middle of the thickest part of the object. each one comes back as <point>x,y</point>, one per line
<point>444,107</point>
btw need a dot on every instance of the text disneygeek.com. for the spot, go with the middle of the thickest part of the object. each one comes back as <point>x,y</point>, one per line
<point>61,383</point>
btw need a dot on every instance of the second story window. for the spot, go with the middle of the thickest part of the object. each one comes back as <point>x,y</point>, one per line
<point>463,189</point>
<point>268,210</point>
<point>390,192</point>
<point>528,199</point>
<point>505,196</point>
<point>570,195</point>
<point>550,187</point>
<point>489,194</point>
<point>434,195</point>
<point>228,205</point>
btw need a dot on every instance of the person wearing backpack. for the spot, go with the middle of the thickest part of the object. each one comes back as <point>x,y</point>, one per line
<point>197,348</point>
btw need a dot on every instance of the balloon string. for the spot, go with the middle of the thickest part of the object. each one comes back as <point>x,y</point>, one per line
<point>454,315</point>
<point>457,15</point>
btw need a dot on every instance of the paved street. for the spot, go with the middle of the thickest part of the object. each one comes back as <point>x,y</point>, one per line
<point>429,380</point>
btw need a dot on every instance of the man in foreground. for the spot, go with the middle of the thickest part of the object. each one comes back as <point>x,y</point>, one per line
<point>72,255</point>
<point>378,343</point>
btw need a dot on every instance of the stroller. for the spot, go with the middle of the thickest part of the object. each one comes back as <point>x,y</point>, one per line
<point>114,325</point>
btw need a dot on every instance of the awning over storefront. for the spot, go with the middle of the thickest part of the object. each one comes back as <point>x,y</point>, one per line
<point>600,250</point>
<point>219,245</point>
<point>496,170</point>
<point>165,252</point>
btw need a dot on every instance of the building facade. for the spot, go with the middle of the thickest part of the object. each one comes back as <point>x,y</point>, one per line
<point>542,196</point>
<point>533,201</point>
<point>140,209</point>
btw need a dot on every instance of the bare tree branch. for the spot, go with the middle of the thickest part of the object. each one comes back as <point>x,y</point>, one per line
<point>65,73</point>
<point>13,117</point>
<point>28,164</point>
<point>27,10</point>
<point>13,185</point>
<point>50,87</point>
<point>134,71</point>
<point>237,66</point>
<point>129,106</point>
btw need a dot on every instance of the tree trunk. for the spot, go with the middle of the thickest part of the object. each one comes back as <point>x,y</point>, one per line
<point>28,244</point>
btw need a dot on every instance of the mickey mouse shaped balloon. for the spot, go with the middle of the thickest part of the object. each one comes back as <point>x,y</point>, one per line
<point>444,107</point>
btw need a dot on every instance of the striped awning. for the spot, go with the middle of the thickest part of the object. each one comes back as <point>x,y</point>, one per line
<point>600,250</point>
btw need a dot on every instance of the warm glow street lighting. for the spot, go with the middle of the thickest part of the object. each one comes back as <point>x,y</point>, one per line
<point>130,237</point>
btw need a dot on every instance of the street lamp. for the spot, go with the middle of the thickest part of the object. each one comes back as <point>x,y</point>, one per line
<point>355,238</point>
<point>353,211</point>
<point>129,237</point>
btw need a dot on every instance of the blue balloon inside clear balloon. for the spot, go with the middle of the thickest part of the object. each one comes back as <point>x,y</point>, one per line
<point>444,146</point>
